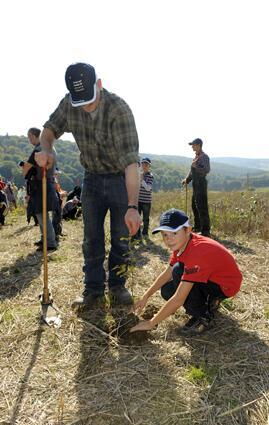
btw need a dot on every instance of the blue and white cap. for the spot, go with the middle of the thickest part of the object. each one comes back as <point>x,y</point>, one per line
<point>80,79</point>
<point>172,221</point>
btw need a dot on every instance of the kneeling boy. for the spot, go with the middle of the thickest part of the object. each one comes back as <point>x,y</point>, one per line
<point>201,273</point>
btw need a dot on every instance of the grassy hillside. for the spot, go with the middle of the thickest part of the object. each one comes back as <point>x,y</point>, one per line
<point>168,170</point>
<point>14,149</point>
<point>84,373</point>
<point>224,168</point>
<point>256,163</point>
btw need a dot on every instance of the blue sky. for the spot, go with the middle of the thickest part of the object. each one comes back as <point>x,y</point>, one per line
<point>187,68</point>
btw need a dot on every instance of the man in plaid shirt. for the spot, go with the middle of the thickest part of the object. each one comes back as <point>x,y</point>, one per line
<point>200,167</point>
<point>105,132</point>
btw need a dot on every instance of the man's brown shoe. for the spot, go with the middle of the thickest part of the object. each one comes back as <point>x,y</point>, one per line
<point>88,300</point>
<point>120,295</point>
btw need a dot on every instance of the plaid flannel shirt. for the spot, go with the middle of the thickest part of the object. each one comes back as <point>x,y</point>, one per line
<point>107,140</point>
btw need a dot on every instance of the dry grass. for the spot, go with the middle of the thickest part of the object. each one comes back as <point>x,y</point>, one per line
<point>79,375</point>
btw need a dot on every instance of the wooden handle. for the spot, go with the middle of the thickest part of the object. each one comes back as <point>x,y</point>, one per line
<point>45,241</point>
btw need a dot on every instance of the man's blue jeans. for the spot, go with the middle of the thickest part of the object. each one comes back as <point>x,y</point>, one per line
<point>102,193</point>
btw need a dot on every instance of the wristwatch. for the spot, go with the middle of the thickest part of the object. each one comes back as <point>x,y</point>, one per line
<point>132,206</point>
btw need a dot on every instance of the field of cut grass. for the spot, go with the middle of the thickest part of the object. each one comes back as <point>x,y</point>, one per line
<point>84,374</point>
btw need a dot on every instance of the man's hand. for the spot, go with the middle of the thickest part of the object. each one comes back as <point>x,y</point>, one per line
<point>184,182</point>
<point>44,159</point>
<point>146,325</point>
<point>132,220</point>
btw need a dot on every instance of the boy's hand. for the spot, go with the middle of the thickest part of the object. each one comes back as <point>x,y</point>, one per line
<point>139,305</point>
<point>146,325</point>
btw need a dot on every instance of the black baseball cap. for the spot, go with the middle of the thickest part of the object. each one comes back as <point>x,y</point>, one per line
<point>146,159</point>
<point>172,221</point>
<point>80,79</point>
<point>196,142</point>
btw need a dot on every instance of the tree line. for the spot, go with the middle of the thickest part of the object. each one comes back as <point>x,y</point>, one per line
<point>168,171</point>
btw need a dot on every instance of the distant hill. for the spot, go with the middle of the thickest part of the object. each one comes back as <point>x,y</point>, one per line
<point>168,170</point>
<point>224,175</point>
<point>225,168</point>
<point>257,163</point>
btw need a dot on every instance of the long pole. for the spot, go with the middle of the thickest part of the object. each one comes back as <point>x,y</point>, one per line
<point>45,251</point>
<point>186,198</point>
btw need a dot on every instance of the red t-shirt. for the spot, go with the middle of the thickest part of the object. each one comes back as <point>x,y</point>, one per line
<point>207,260</point>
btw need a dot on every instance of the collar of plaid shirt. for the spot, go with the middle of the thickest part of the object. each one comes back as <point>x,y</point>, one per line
<point>107,141</point>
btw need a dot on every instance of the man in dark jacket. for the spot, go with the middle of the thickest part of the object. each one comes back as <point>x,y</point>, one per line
<point>33,174</point>
<point>200,167</point>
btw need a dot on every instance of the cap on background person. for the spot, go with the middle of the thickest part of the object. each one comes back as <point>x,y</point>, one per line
<point>172,221</point>
<point>146,160</point>
<point>196,142</point>
<point>80,79</point>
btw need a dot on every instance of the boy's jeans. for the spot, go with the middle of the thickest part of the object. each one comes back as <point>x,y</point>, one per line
<point>102,193</point>
<point>144,207</point>
<point>197,303</point>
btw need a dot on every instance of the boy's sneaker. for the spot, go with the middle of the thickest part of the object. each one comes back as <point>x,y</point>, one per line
<point>88,300</point>
<point>120,295</point>
<point>197,325</point>
<point>190,323</point>
<point>214,305</point>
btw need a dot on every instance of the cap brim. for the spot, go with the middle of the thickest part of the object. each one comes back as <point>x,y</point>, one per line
<point>170,229</point>
<point>90,97</point>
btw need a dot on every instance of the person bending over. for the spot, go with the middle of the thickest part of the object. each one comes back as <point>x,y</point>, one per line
<point>201,273</point>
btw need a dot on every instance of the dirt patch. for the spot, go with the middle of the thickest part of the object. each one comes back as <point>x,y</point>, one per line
<point>122,330</point>
<point>150,311</point>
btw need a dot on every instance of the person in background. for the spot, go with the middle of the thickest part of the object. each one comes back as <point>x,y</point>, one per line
<point>145,196</point>
<point>10,195</point>
<point>33,174</point>
<point>104,129</point>
<point>57,212</point>
<point>70,209</point>
<point>3,204</point>
<point>21,197</point>
<point>200,167</point>
<point>2,183</point>
<point>201,273</point>
<point>75,192</point>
